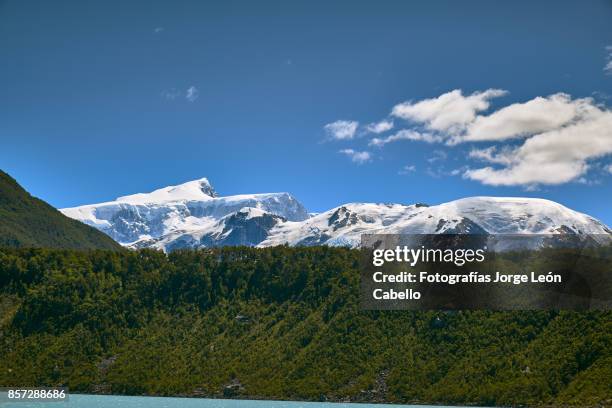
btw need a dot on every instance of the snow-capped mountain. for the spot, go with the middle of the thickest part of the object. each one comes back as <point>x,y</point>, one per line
<point>185,213</point>
<point>192,215</point>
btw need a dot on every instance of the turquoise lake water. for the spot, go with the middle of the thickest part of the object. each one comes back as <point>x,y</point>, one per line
<point>110,401</point>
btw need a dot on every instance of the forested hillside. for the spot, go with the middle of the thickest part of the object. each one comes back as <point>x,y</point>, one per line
<point>277,323</point>
<point>26,221</point>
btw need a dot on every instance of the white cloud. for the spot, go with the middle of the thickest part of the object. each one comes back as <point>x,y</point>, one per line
<point>356,156</point>
<point>380,127</point>
<point>449,112</point>
<point>553,157</point>
<point>491,155</point>
<point>158,30</point>
<point>608,67</point>
<point>523,119</point>
<point>171,94</point>
<point>407,169</point>
<point>562,135</point>
<point>341,129</point>
<point>609,168</point>
<point>405,134</point>
<point>192,93</point>
<point>438,155</point>
<point>545,140</point>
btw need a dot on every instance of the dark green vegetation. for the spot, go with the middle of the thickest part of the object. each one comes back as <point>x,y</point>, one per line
<point>26,221</point>
<point>277,323</point>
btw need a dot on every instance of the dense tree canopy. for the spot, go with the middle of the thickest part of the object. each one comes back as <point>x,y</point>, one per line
<point>277,323</point>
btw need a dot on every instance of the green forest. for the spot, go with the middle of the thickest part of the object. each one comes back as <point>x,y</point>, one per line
<point>277,323</point>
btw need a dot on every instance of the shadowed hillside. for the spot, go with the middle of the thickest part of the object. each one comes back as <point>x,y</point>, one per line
<point>26,221</point>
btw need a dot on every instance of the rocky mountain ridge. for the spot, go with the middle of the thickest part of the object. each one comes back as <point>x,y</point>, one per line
<point>193,215</point>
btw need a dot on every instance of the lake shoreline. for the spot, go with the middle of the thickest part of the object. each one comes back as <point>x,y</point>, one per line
<point>78,400</point>
<point>415,404</point>
<point>267,398</point>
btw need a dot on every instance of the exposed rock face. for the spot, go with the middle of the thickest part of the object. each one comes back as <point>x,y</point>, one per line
<point>245,227</point>
<point>233,389</point>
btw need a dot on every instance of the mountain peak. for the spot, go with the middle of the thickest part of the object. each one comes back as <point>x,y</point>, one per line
<point>195,190</point>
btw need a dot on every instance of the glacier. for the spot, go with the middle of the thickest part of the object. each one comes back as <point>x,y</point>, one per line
<point>193,215</point>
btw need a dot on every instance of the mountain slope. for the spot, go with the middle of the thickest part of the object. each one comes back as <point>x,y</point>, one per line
<point>26,221</point>
<point>192,215</point>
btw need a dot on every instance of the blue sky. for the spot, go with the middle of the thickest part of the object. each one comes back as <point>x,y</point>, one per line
<point>107,99</point>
